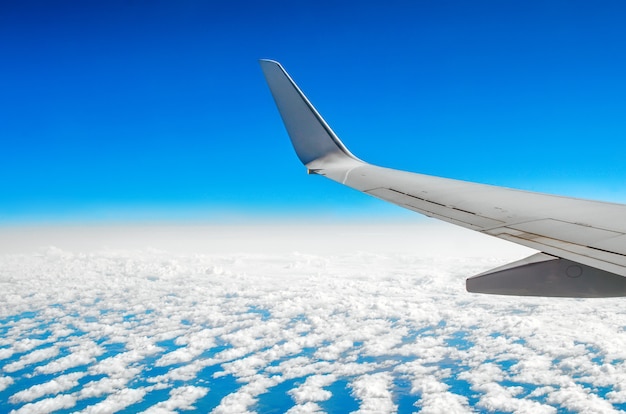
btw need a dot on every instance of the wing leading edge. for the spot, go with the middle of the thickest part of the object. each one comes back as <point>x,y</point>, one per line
<point>583,242</point>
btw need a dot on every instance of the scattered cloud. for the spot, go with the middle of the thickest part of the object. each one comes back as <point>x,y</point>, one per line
<point>165,331</point>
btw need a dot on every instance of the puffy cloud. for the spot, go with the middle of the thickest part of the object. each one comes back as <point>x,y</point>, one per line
<point>435,396</point>
<point>579,399</point>
<point>313,389</point>
<point>33,357</point>
<point>373,391</point>
<point>5,382</point>
<point>81,354</point>
<point>5,353</point>
<point>117,401</point>
<point>48,405</point>
<point>306,408</point>
<point>242,400</point>
<point>54,386</point>
<point>181,398</point>
<point>104,386</point>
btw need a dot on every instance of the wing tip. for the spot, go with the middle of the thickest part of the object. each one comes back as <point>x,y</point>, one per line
<point>310,135</point>
<point>270,61</point>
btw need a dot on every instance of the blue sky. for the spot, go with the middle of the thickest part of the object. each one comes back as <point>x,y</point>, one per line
<point>141,110</point>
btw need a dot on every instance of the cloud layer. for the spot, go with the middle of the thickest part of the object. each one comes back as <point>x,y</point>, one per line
<point>297,329</point>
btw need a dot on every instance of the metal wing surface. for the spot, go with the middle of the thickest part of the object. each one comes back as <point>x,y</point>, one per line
<point>583,242</point>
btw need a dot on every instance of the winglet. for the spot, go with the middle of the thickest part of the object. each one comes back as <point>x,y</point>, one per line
<point>310,135</point>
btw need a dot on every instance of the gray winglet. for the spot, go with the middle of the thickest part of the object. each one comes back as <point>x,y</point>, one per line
<point>310,135</point>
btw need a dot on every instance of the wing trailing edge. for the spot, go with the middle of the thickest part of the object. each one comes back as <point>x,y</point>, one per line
<point>582,241</point>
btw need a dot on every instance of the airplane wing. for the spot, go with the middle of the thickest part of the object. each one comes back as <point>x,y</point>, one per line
<point>582,243</point>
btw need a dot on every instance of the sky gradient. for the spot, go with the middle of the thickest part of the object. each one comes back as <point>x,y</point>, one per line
<point>159,111</point>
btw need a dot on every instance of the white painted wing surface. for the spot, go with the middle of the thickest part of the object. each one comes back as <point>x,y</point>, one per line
<point>583,241</point>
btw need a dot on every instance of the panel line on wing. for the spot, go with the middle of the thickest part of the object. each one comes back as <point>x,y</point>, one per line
<point>609,261</point>
<point>564,230</point>
<point>436,209</point>
<point>606,251</point>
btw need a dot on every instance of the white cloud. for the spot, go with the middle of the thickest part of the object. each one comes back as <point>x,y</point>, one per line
<point>181,398</point>
<point>373,391</point>
<point>48,405</point>
<point>5,382</point>
<point>81,354</point>
<point>196,343</point>
<point>54,386</point>
<point>117,401</point>
<point>104,386</point>
<point>578,399</point>
<point>33,357</point>
<point>5,353</point>
<point>313,389</point>
<point>306,408</point>
<point>26,344</point>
